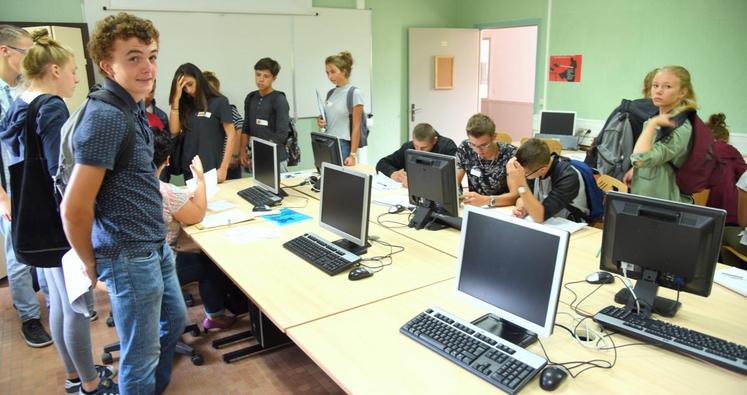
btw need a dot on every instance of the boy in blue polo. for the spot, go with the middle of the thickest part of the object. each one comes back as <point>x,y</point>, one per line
<point>266,113</point>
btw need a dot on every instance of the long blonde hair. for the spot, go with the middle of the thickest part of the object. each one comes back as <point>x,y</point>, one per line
<point>688,102</point>
<point>45,51</point>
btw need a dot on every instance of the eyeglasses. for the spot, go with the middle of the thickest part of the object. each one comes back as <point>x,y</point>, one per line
<point>480,147</point>
<point>532,172</point>
<point>20,50</point>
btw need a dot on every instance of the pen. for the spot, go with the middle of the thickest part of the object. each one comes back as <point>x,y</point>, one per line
<point>732,275</point>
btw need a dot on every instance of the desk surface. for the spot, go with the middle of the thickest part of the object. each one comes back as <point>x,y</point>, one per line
<point>363,351</point>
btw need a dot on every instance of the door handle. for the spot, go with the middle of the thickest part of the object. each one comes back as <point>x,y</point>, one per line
<point>413,110</point>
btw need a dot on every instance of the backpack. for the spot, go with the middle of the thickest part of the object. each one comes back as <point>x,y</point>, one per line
<point>702,169</point>
<point>67,158</point>
<point>594,194</point>
<point>611,150</point>
<point>33,203</point>
<point>364,117</point>
<point>291,142</point>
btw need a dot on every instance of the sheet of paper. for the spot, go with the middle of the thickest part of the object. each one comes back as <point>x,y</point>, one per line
<point>229,217</point>
<point>211,183</point>
<point>250,234</point>
<point>77,282</point>
<point>564,224</point>
<point>392,200</point>
<point>220,205</point>
<point>382,182</point>
<point>733,278</point>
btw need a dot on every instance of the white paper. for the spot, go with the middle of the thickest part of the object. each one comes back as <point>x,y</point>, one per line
<point>211,183</point>
<point>320,106</point>
<point>250,234</point>
<point>382,183</point>
<point>220,205</point>
<point>392,200</point>
<point>565,224</point>
<point>233,216</point>
<point>77,282</point>
<point>733,278</point>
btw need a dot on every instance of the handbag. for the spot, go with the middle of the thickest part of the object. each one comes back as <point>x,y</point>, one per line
<point>36,226</point>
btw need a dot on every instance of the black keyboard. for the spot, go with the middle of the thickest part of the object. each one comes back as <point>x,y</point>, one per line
<point>497,361</point>
<point>675,338</point>
<point>259,197</point>
<point>326,256</point>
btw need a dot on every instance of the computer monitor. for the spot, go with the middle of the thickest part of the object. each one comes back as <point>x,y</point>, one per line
<point>265,165</point>
<point>432,187</point>
<point>559,125</point>
<point>344,206</point>
<point>513,269</point>
<point>660,243</point>
<point>326,149</point>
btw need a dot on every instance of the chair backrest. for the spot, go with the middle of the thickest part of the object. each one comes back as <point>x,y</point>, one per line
<point>608,183</point>
<point>732,257</point>
<point>502,137</point>
<point>701,198</point>
<point>554,145</point>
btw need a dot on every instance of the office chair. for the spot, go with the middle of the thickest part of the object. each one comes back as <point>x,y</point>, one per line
<point>609,183</point>
<point>701,198</point>
<point>732,257</point>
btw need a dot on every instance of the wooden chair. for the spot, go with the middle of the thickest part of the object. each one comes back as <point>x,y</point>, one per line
<point>504,138</point>
<point>701,198</point>
<point>609,183</point>
<point>732,257</point>
<point>554,145</point>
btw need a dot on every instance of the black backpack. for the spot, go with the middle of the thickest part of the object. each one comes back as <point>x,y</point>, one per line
<point>611,150</point>
<point>38,237</point>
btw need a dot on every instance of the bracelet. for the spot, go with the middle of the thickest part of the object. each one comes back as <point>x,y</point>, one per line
<point>175,109</point>
<point>353,155</point>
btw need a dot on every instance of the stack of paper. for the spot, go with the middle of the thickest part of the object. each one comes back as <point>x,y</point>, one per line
<point>224,218</point>
<point>733,278</point>
<point>382,182</point>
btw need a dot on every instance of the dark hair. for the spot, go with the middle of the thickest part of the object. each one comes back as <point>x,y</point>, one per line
<point>423,132</point>
<point>717,123</point>
<point>268,64</point>
<point>533,153</point>
<point>480,125</point>
<point>161,145</point>
<point>203,92</point>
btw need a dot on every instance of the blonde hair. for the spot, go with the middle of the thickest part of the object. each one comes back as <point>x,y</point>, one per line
<point>211,79</point>
<point>343,61</point>
<point>11,35</point>
<point>44,53</point>
<point>688,101</point>
<point>121,26</point>
<point>647,81</point>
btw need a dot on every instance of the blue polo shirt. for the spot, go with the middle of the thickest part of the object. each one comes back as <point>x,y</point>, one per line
<point>129,210</point>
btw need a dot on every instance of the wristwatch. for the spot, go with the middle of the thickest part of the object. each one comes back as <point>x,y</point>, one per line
<point>521,190</point>
<point>354,155</point>
<point>492,201</point>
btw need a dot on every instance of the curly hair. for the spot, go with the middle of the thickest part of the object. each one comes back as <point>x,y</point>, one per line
<point>121,26</point>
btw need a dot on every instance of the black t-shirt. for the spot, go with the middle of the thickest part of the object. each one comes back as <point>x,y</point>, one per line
<point>204,134</point>
<point>267,119</point>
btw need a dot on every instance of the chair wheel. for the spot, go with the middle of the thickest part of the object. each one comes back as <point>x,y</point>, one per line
<point>110,322</point>
<point>195,332</point>
<point>106,358</point>
<point>197,359</point>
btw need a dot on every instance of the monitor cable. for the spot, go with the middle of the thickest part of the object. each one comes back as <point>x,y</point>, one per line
<point>381,261</point>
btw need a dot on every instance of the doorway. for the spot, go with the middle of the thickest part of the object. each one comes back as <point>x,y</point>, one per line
<point>508,70</point>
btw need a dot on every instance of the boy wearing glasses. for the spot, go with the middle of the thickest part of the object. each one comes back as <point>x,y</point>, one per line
<point>546,183</point>
<point>484,161</point>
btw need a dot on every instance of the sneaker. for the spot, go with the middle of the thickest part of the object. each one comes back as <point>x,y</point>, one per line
<point>102,372</point>
<point>106,387</point>
<point>34,334</point>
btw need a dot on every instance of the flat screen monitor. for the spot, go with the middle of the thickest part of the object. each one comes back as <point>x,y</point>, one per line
<point>513,269</point>
<point>558,122</point>
<point>344,206</point>
<point>326,149</point>
<point>432,187</point>
<point>660,243</point>
<point>265,165</point>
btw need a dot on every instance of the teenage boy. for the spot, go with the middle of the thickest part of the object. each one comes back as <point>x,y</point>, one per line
<point>266,113</point>
<point>484,160</point>
<point>112,209</point>
<point>424,138</point>
<point>14,42</point>
<point>554,187</point>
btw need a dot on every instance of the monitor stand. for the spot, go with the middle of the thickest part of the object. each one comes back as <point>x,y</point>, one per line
<point>348,245</point>
<point>281,192</point>
<point>506,330</point>
<point>645,290</point>
<point>421,217</point>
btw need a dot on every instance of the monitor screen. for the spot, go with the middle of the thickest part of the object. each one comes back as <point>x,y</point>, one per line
<point>345,198</point>
<point>431,182</point>
<point>678,243</point>
<point>512,267</point>
<point>557,122</point>
<point>265,167</point>
<point>326,149</point>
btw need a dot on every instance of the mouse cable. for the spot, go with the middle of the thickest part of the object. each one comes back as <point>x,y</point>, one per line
<point>398,224</point>
<point>575,298</point>
<point>382,260</point>
<point>305,199</point>
<point>591,364</point>
<point>302,183</point>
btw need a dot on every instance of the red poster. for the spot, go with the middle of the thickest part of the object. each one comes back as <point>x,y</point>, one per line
<point>565,68</point>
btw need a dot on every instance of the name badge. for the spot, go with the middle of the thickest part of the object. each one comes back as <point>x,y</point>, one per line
<point>204,114</point>
<point>262,122</point>
<point>475,172</point>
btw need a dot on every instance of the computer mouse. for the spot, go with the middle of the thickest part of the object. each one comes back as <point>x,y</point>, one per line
<point>313,179</point>
<point>359,273</point>
<point>551,377</point>
<point>600,278</point>
<point>262,208</point>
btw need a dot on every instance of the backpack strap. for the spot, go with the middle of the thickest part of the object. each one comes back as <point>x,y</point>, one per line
<point>351,92</point>
<point>124,155</point>
<point>32,149</point>
<point>330,93</point>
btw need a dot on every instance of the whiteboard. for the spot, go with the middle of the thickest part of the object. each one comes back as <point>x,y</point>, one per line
<point>332,31</point>
<point>229,44</point>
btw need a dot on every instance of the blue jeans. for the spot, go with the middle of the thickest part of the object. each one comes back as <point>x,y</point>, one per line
<point>19,279</point>
<point>196,266</point>
<point>344,149</point>
<point>149,314</point>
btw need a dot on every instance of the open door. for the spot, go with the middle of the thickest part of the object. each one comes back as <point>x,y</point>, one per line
<point>449,107</point>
